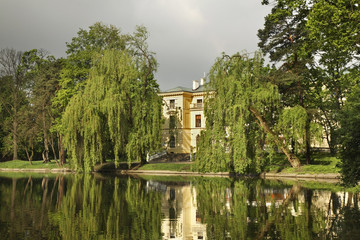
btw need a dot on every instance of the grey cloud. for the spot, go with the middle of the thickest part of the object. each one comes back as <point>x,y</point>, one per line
<point>187,35</point>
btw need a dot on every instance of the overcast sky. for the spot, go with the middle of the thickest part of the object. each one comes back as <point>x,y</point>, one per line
<point>187,35</point>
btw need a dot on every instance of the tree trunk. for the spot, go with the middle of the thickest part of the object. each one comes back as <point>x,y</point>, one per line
<point>330,137</point>
<point>15,145</point>
<point>30,157</point>
<point>292,158</point>
<point>46,140</point>
<point>53,150</point>
<point>308,142</point>
<point>61,151</point>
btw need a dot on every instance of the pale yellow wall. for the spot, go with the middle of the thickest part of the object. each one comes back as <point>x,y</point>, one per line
<point>195,131</point>
<point>186,130</point>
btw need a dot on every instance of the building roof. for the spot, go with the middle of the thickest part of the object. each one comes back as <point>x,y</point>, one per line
<point>179,89</point>
<point>202,88</point>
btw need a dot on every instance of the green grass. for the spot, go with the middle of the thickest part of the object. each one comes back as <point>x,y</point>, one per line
<point>315,185</point>
<point>322,163</point>
<point>166,166</point>
<point>20,175</point>
<point>26,164</point>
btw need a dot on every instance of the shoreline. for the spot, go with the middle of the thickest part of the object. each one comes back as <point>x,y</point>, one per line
<point>319,177</point>
<point>333,177</point>
<point>38,170</point>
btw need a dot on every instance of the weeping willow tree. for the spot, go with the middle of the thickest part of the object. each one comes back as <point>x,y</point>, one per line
<point>119,109</point>
<point>240,117</point>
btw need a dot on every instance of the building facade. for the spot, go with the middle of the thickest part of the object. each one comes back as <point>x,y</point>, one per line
<point>183,110</point>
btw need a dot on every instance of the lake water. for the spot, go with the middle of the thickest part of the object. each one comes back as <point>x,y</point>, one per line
<point>124,207</point>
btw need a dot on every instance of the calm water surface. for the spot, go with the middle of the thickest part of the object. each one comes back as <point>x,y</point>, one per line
<point>119,207</point>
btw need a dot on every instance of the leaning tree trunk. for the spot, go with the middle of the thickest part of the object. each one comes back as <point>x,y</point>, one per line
<point>30,157</point>
<point>292,158</point>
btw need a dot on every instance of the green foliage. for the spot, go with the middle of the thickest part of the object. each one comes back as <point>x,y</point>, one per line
<point>292,125</point>
<point>350,132</point>
<point>42,74</point>
<point>246,209</point>
<point>115,209</point>
<point>113,110</point>
<point>109,97</point>
<point>90,206</point>
<point>333,28</point>
<point>12,98</point>
<point>284,33</point>
<point>233,140</point>
<point>334,31</point>
<point>318,43</point>
<point>77,65</point>
<point>25,165</point>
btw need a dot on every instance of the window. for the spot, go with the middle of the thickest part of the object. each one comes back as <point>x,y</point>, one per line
<point>199,103</point>
<point>172,103</point>
<point>172,122</point>
<point>172,141</point>
<point>197,120</point>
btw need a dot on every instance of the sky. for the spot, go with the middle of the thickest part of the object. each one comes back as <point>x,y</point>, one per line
<point>186,35</point>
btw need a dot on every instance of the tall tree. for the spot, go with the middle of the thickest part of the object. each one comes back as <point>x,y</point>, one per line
<point>284,38</point>
<point>77,66</point>
<point>28,130</point>
<point>118,108</point>
<point>12,95</point>
<point>80,52</point>
<point>240,117</point>
<point>333,28</point>
<point>43,74</point>
<point>3,116</point>
<point>350,152</point>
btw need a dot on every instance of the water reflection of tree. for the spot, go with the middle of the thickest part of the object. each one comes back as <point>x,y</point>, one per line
<point>24,208</point>
<point>248,213</point>
<point>108,209</point>
<point>82,206</point>
<point>346,221</point>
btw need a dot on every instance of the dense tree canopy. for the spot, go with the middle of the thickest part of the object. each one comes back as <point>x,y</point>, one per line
<point>318,43</point>
<point>240,117</point>
<point>350,152</point>
<point>118,109</point>
<point>12,98</point>
<point>100,102</point>
<point>285,37</point>
<point>42,74</point>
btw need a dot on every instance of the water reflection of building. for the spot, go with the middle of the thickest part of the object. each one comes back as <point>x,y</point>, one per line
<point>180,217</point>
<point>328,202</point>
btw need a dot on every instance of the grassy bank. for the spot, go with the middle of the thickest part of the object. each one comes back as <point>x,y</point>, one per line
<point>35,164</point>
<point>167,166</point>
<point>321,163</point>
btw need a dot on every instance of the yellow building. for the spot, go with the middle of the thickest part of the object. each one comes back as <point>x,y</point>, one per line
<point>183,110</point>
